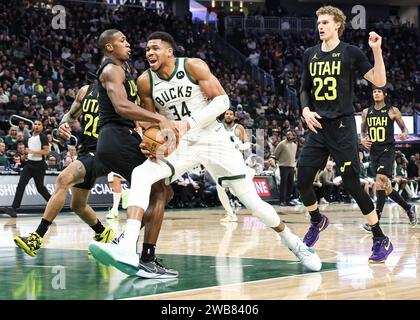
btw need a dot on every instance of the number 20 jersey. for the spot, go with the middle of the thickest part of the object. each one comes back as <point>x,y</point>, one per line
<point>328,77</point>
<point>89,120</point>
<point>179,95</point>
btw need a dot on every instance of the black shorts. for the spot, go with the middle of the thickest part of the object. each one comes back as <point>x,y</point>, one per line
<point>382,158</point>
<point>94,169</point>
<point>118,149</point>
<point>338,138</point>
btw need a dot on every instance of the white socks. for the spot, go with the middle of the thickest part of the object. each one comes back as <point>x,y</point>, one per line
<point>131,235</point>
<point>224,199</point>
<point>288,238</point>
<point>117,198</point>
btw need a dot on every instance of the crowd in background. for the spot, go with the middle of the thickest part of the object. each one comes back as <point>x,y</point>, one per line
<point>42,84</point>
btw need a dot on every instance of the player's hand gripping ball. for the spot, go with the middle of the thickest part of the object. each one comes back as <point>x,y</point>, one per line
<point>157,143</point>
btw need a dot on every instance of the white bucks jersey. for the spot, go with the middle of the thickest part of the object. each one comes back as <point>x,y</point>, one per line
<point>179,96</point>
<point>236,138</point>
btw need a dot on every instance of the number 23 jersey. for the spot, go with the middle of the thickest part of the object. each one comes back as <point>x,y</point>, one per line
<point>179,95</point>
<point>329,78</point>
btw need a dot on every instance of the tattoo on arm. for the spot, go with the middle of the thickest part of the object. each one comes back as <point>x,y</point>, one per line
<point>398,118</point>
<point>363,126</point>
<point>75,109</point>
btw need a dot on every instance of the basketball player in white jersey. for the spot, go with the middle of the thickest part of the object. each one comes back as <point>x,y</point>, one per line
<point>240,138</point>
<point>185,89</point>
<point>114,181</point>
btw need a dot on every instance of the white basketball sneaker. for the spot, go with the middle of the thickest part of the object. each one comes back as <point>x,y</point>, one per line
<point>230,217</point>
<point>112,214</point>
<point>307,256</point>
<point>115,255</point>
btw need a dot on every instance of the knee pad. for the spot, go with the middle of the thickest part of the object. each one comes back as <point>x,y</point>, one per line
<point>244,189</point>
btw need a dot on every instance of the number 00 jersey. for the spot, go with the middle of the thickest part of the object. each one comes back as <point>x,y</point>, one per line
<point>89,120</point>
<point>380,126</point>
<point>329,78</point>
<point>179,95</point>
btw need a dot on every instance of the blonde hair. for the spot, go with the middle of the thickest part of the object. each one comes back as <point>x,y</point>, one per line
<point>336,13</point>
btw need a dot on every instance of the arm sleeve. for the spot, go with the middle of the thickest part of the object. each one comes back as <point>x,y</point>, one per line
<point>360,62</point>
<point>305,86</point>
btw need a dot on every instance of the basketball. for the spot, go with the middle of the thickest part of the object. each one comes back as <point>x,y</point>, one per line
<point>155,141</point>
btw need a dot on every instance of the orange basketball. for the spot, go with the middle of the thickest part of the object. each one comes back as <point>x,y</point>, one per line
<point>155,142</point>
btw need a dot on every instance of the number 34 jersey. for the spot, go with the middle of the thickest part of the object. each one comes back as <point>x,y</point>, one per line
<point>179,95</point>
<point>89,120</point>
<point>328,77</point>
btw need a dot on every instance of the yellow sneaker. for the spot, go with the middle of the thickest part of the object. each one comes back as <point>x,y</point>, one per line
<point>106,236</point>
<point>30,244</point>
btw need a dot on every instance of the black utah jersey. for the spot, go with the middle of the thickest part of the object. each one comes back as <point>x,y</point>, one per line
<point>107,113</point>
<point>328,77</point>
<point>89,120</point>
<point>380,126</point>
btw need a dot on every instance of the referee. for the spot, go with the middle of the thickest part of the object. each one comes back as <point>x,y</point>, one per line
<point>35,167</point>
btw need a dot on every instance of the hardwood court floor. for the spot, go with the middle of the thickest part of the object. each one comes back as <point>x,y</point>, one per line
<point>243,260</point>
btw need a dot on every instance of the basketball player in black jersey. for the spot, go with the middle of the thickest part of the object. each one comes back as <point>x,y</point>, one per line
<point>118,149</point>
<point>377,134</point>
<point>80,175</point>
<point>329,72</point>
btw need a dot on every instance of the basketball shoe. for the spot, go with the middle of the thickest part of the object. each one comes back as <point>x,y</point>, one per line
<point>412,216</point>
<point>381,249</point>
<point>312,236</point>
<point>30,244</point>
<point>230,217</point>
<point>155,270</point>
<point>112,214</point>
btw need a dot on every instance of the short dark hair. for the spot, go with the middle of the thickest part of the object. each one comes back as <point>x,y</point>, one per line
<point>105,37</point>
<point>384,89</point>
<point>164,36</point>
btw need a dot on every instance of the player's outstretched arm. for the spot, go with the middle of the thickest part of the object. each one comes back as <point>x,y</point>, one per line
<point>212,88</point>
<point>376,75</point>
<point>73,114</point>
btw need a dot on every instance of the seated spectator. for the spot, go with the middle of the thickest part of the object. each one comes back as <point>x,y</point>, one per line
<point>10,139</point>
<point>22,127</point>
<point>4,98</point>
<point>318,188</point>
<point>367,183</point>
<point>66,162</point>
<point>15,164</point>
<point>3,158</point>
<point>53,163</point>
<point>330,190</point>
<point>53,145</point>
<point>254,162</point>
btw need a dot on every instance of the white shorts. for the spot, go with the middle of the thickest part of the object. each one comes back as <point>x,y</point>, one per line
<point>111,176</point>
<point>211,147</point>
